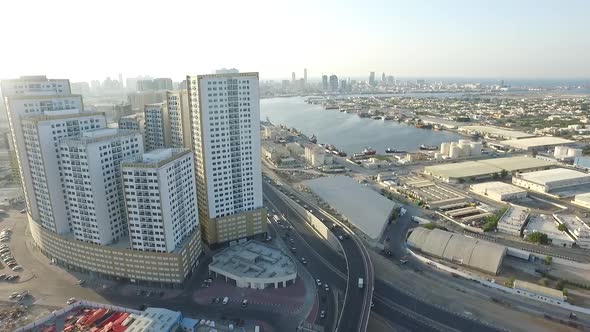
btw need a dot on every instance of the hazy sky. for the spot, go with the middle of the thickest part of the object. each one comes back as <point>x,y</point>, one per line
<point>84,40</point>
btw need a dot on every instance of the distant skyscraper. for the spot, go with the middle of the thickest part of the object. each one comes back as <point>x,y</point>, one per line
<point>325,82</point>
<point>179,119</point>
<point>383,78</point>
<point>163,183</point>
<point>343,86</point>
<point>91,169</point>
<point>390,80</point>
<point>305,75</point>
<point>372,79</point>
<point>145,85</point>
<point>225,112</point>
<point>133,122</point>
<point>157,126</point>
<point>293,77</point>
<point>121,80</point>
<point>333,83</point>
<point>163,84</point>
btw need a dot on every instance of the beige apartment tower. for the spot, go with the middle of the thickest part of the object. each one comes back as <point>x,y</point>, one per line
<point>225,124</point>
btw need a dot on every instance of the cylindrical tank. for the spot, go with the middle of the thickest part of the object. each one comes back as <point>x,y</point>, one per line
<point>455,151</point>
<point>476,148</point>
<point>574,152</point>
<point>560,151</point>
<point>444,148</point>
<point>465,147</point>
<point>464,141</point>
<point>438,155</point>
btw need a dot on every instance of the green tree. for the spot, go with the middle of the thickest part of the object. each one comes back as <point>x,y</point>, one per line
<point>560,285</point>
<point>561,227</point>
<point>495,176</point>
<point>548,260</point>
<point>538,237</point>
<point>510,281</point>
<point>503,174</point>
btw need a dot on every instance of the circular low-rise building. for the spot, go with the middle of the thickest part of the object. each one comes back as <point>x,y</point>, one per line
<point>254,264</point>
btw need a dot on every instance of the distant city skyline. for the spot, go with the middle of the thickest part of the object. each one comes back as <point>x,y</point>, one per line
<point>501,39</point>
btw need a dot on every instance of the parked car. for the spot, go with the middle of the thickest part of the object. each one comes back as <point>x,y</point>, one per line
<point>81,281</point>
<point>71,301</point>
<point>225,300</point>
<point>13,295</point>
<point>17,268</point>
<point>244,303</point>
<point>303,260</point>
<point>323,314</point>
<point>318,282</point>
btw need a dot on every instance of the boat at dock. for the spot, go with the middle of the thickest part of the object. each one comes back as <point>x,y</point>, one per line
<point>369,152</point>
<point>428,147</point>
<point>390,150</point>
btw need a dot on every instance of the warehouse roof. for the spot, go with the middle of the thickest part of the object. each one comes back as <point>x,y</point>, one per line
<point>365,208</point>
<point>512,164</point>
<point>496,131</point>
<point>496,187</point>
<point>475,253</point>
<point>533,142</point>
<point>553,175</point>
<point>461,170</point>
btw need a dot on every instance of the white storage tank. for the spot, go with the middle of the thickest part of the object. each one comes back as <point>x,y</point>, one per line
<point>438,156</point>
<point>455,151</point>
<point>574,152</point>
<point>476,148</point>
<point>444,148</point>
<point>465,148</point>
<point>560,151</point>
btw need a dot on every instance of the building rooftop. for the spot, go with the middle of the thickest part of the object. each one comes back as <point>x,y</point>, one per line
<point>497,131</point>
<point>513,164</point>
<point>576,226</point>
<point>533,142</point>
<point>547,225</point>
<point>538,289</point>
<point>254,259</point>
<point>100,132</point>
<point>462,170</point>
<point>158,155</point>
<point>552,175</point>
<point>364,208</point>
<point>155,320</point>
<point>514,219</point>
<point>496,187</point>
<point>475,253</point>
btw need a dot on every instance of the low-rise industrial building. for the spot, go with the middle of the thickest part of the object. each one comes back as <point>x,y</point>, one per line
<point>256,265</point>
<point>486,168</point>
<point>495,132</point>
<point>366,209</point>
<point>547,225</point>
<point>536,143</point>
<point>582,200</point>
<point>474,253</point>
<point>499,191</point>
<point>540,292</point>
<point>576,228</point>
<point>513,220</point>
<point>550,180</point>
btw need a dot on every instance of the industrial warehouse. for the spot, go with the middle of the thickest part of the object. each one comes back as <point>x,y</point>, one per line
<point>485,169</point>
<point>364,208</point>
<point>477,254</point>
<point>536,143</point>
<point>553,180</point>
<point>499,191</point>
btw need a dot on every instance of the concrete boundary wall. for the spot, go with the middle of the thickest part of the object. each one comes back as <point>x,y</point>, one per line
<point>490,284</point>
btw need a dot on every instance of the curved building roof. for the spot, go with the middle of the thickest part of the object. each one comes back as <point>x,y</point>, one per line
<point>478,254</point>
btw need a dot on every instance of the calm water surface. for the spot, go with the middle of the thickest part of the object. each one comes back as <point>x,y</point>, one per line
<point>348,132</point>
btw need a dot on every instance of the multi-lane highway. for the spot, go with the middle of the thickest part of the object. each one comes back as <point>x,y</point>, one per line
<point>394,304</point>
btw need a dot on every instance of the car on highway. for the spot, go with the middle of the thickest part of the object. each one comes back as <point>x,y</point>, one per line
<point>326,287</point>
<point>225,300</point>
<point>23,211</point>
<point>323,314</point>
<point>13,295</point>
<point>318,282</point>
<point>72,300</point>
<point>291,240</point>
<point>293,249</point>
<point>303,260</point>
<point>81,282</point>
<point>244,303</point>
<point>340,237</point>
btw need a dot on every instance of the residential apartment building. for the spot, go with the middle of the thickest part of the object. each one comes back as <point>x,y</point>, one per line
<point>225,116</point>
<point>157,126</point>
<point>133,122</point>
<point>179,119</point>
<point>92,175</point>
<point>42,135</point>
<point>33,95</point>
<point>161,199</point>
